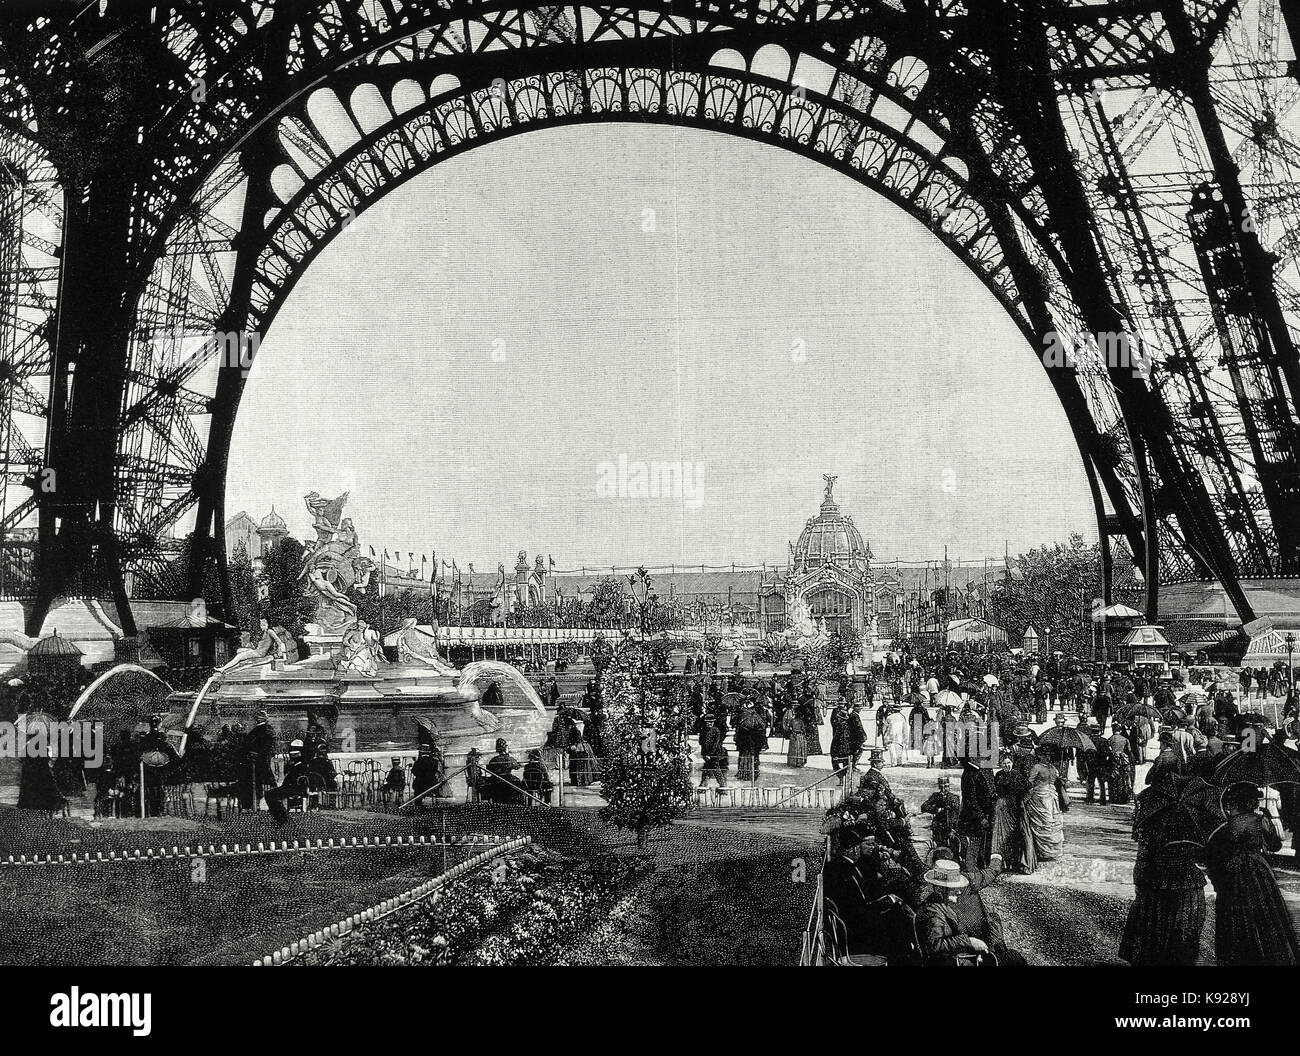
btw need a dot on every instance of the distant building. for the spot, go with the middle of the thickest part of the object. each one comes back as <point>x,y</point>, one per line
<point>829,572</point>
<point>241,530</point>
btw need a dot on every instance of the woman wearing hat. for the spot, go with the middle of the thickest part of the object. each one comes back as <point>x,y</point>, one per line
<point>797,747</point>
<point>1252,925</point>
<point>1009,837</point>
<point>1043,809</point>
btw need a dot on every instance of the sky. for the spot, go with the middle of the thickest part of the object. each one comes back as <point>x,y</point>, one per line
<point>476,356</point>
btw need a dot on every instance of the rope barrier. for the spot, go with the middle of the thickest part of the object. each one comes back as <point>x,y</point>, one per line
<point>386,908</point>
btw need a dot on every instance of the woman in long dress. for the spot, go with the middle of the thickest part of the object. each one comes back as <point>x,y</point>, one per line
<point>1009,837</point>
<point>797,752</point>
<point>1251,922</point>
<point>931,744</point>
<point>1043,811</point>
<point>812,721</point>
<point>1168,913</point>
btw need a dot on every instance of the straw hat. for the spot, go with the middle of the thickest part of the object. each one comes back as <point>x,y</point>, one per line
<point>946,874</point>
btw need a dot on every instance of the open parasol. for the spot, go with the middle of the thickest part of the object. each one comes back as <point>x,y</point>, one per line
<point>992,680</point>
<point>1272,764</point>
<point>1133,711</point>
<point>1182,810</point>
<point>1067,737</point>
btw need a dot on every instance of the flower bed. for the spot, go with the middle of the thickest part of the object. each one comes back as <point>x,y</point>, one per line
<point>514,912</point>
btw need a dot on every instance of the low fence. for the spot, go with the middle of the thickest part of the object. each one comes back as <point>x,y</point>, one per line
<point>386,908</point>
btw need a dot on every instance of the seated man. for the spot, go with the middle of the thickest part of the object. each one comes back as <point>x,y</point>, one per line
<point>298,782</point>
<point>537,779</point>
<point>315,753</point>
<point>395,781</point>
<point>869,898</point>
<point>498,783</point>
<point>955,927</point>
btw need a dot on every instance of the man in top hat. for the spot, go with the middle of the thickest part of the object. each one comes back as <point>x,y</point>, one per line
<point>975,821</point>
<point>1168,763</point>
<point>255,772</point>
<point>501,786</point>
<point>427,775</point>
<point>944,807</point>
<point>875,781</point>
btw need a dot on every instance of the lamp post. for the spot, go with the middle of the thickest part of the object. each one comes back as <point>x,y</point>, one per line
<point>1290,668</point>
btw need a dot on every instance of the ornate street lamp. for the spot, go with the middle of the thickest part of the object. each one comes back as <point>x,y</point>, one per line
<point>1289,638</point>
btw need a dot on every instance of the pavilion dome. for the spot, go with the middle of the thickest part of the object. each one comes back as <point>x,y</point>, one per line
<point>54,645</point>
<point>831,538</point>
<point>273,522</point>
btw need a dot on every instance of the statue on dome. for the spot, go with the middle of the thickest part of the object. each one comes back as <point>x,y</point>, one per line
<point>830,487</point>
<point>333,566</point>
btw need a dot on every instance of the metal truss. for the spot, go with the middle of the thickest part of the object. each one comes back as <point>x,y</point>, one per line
<point>1118,174</point>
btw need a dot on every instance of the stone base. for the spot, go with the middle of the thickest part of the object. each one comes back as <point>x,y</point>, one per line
<point>330,645</point>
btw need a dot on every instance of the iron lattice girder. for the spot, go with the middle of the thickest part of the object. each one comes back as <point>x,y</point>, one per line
<point>256,60</point>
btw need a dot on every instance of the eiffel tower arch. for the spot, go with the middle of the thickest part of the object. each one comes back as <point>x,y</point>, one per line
<point>172,170</point>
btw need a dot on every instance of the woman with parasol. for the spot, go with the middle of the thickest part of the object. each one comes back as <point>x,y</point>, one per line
<point>1251,923</point>
<point>1171,822</point>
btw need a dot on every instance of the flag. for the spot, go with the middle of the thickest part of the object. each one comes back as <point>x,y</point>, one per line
<point>372,551</point>
<point>552,560</point>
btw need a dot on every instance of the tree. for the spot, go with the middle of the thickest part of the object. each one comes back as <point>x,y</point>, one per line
<point>646,768</point>
<point>281,601</point>
<point>1053,586</point>
<point>607,607</point>
<point>641,577</point>
<point>243,590</point>
<point>538,614</point>
<point>403,605</point>
<point>776,649</point>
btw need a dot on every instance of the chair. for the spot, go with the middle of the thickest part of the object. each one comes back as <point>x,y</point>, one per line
<point>179,800</point>
<point>312,785</point>
<point>216,794</point>
<point>838,952</point>
<point>348,791</point>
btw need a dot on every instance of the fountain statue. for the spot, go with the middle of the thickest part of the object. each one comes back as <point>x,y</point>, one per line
<point>333,567</point>
<point>365,699</point>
